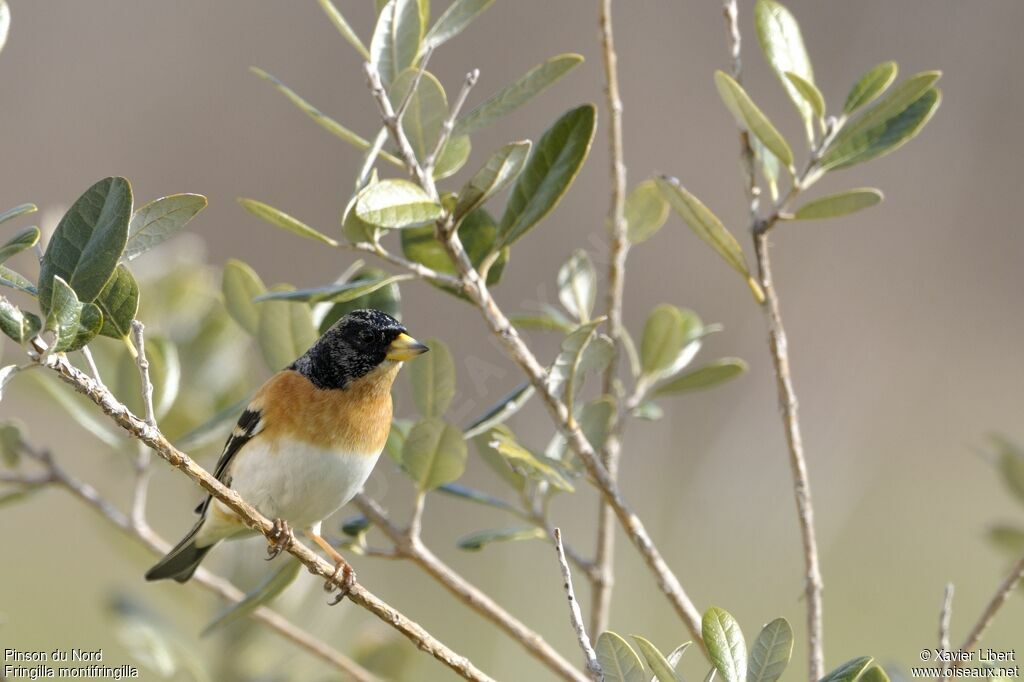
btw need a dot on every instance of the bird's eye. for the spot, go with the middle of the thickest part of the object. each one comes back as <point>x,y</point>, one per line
<point>366,336</point>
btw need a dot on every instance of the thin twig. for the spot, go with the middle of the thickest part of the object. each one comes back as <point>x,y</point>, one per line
<point>945,615</point>
<point>780,359</point>
<point>249,515</point>
<point>394,125</point>
<point>575,615</point>
<point>449,122</point>
<point>421,555</point>
<point>416,521</point>
<point>91,362</point>
<point>1002,593</point>
<point>417,269</point>
<point>602,584</point>
<point>142,468</point>
<point>475,288</point>
<point>56,474</point>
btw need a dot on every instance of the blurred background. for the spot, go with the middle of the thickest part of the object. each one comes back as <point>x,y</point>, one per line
<point>904,321</point>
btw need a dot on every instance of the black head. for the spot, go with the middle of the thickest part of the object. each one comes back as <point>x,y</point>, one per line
<point>354,346</point>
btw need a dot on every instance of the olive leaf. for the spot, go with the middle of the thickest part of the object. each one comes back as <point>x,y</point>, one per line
<point>646,212</point>
<point>344,28</point>
<point>478,540</point>
<point>281,219</point>
<point>618,661</point>
<point>272,585</point>
<point>709,375</point>
<point>839,204</point>
<point>21,241</point>
<point>396,39</point>
<point>725,645</point>
<point>434,453</point>
<point>454,20</point>
<point>425,112</point>
<point>663,670</point>
<point>119,302</point>
<point>869,86</point>
<point>850,671</point>
<point>501,169</point>
<point>577,285</point>
<point>240,285</point>
<point>285,331</point>
<point>783,46</point>
<point>17,324</point>
<point>17,211</point>
<point>159,220</point>
<point>747,114</point>
<point>396,204</point>
<point>433,379</point>
<point>770,652</point>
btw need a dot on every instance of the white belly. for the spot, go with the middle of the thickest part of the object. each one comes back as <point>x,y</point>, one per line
<point>299,483</point>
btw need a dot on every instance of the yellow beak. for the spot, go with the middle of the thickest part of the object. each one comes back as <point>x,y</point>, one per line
<point>404,347</point>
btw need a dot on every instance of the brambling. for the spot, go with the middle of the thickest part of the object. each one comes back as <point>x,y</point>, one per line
<point>307,441</point>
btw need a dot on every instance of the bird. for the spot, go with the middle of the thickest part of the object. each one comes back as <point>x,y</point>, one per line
<point>306,442</point>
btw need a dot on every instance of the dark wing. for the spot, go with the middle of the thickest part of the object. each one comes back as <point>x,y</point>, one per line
<point>247,428</point>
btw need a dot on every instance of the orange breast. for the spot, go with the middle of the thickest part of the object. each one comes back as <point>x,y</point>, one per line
<point>352,420</point>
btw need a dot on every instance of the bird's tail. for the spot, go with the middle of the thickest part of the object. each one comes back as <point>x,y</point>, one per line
<point>182,561</point>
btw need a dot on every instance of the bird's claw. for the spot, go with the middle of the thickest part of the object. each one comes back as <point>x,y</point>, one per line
<point>348,580</point>
<point>280,538</point>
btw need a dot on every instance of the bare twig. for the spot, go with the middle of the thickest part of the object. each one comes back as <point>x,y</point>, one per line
<point>417,269</point>
<point>575,615</point>
<point>1002,593</point>
<point>91,362</point>
<point>56,474</point>
<point>945,615</point>
<point>413,549</point>
<point>142,470</point>
<point>604,577</point>
<point>780,359</point>
<point>449,122</point>
<point>152,437</point>
<point>475,288</point>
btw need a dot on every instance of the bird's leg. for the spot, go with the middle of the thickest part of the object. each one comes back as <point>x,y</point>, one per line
<point>280,539</point>
<point>348,574</point>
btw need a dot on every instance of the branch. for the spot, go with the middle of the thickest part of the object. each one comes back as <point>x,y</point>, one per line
<point>55,474</point>
<point>780,360</point>
<point>152,437</point>
<point>601,585</point>
<point>449,122</point>
<point>413,549</point>
<point>575,616</point>
<point>945,614</point>
<point>475,288</point>
<point>142,473</point>
<point>1003,592</point>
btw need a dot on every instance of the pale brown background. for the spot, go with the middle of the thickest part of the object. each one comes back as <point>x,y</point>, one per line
<point>904,321</point>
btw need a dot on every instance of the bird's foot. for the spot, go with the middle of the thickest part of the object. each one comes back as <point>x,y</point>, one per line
<point>348,580</point>
<point>280,538</point>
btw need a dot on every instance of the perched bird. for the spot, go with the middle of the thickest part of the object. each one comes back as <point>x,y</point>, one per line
<point>307,442</point>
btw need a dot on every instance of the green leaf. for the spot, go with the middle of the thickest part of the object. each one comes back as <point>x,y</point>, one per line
<point>526,463</point>
<point>119,302</point>
<point>5,23</point>
<point>501,169</point>
<point>425,113</point>
<point>356,526</point>
<point>550,170</point>
<point>665,333</point>
<point>17,324</point>
<point>165,373</point>
<point>320,118</point>
<point>709,375</point>
<point>454,20</point>
<point>874,674</point>
<point>433,379</point>
<point>9,278</point>
<point>849,671</point>
<point>725,645</point>
<point>240,285</point>
<point>476,541</point>
<point>11,441</point>
<point>479,497</point>
<point>769,166</point>
<point>516,94</point>
<point>502,410</point>
<point>662,669</point>
<point>396,204</point>
<point>1011,466</point>
<point>747,114</point>
<point>334,293</point>
<point>577,285</point>
<point>571,351</point>
<point>84,414</point>
<point>618,660</point>
<point>779,36</point>
<point>267,590</point>
<point>396,39</point>
<point>771,652</point>
<point>858,143</point>
<point>453,157</point>
<point>17,211</point>
<point>434,453</point>
<point>869,86</point>
<point>708,227</point>
<point>89,326</point>
<point>24,239</point>
<point>386,298</point>
<point>88,241</point>
<point>479,235</point>
<point>839,204</point>
<point>284,221</point>
<point>1007,538</point>
<point>595,421</point>
<point>396,439</point>
<point>64,316</point>
<point>285,331</point>
<point>544,321</point>
<point>343,28</point>
<point>648,411</point>
<point>677,654</point>
<point>810,92</point>
<point>646,212</point>
<point>158,220</point>
<point>6,374</point>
